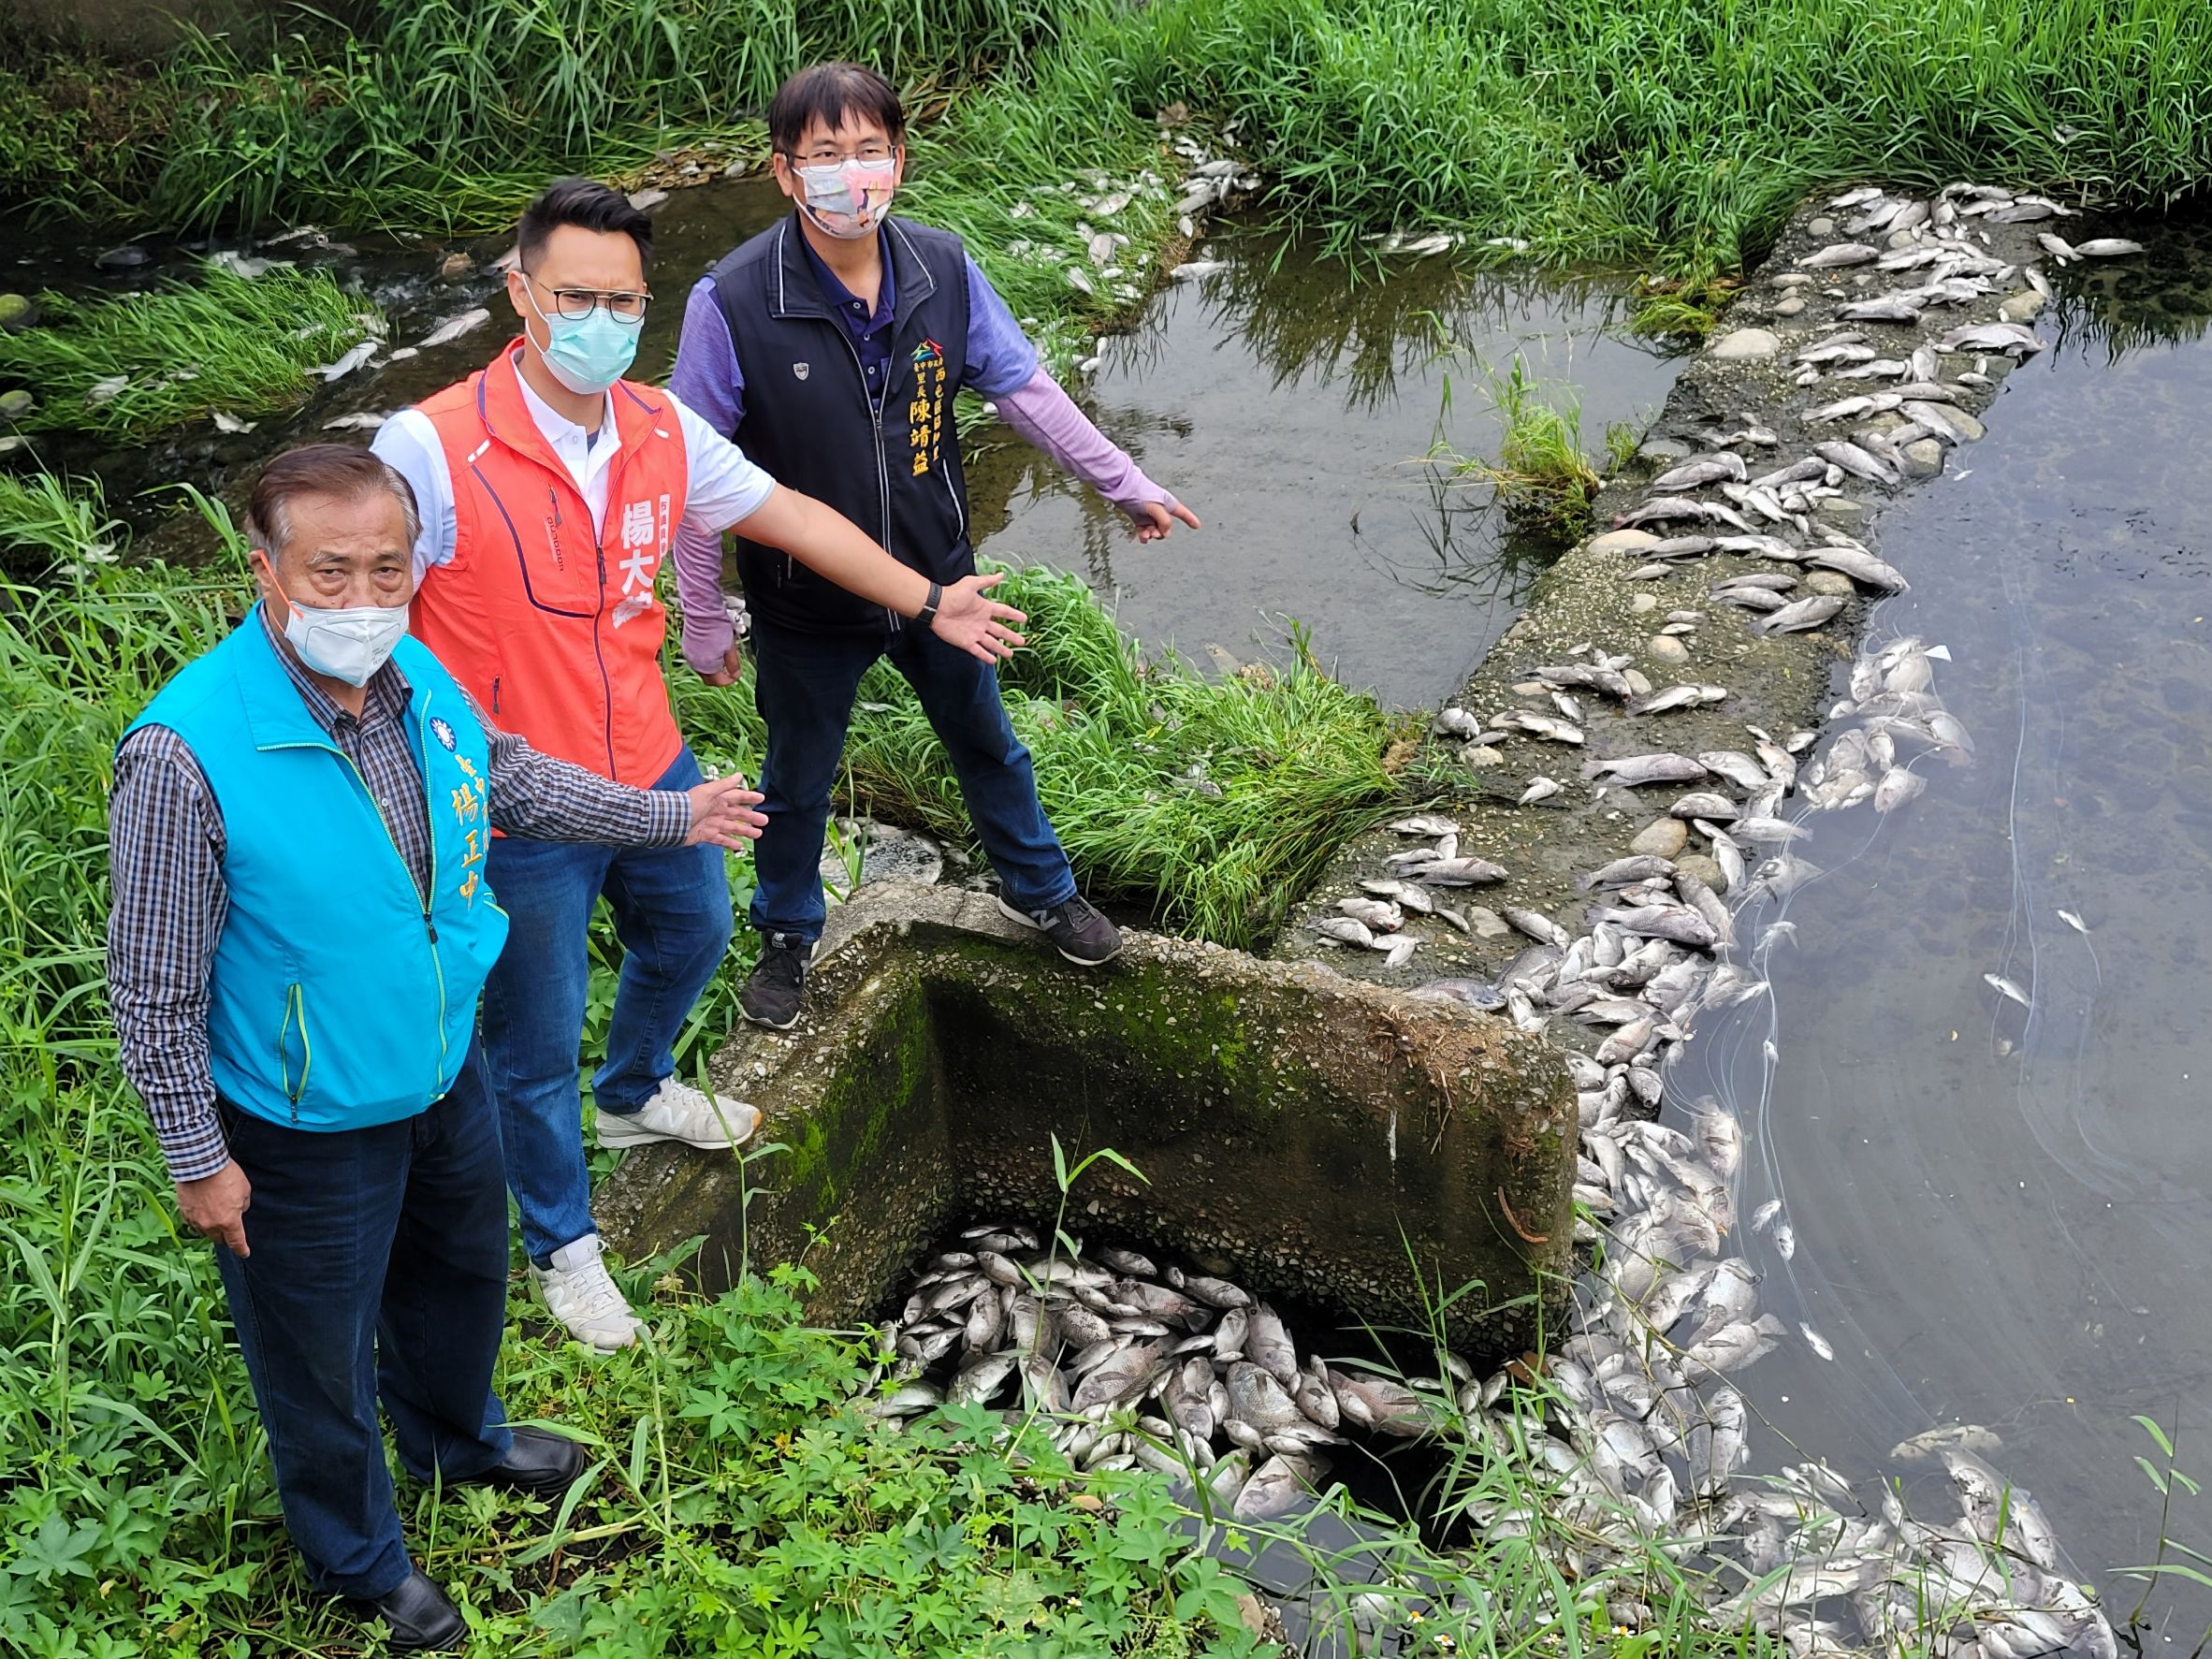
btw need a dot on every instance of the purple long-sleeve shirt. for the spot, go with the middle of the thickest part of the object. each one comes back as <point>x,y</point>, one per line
<point>1001,365</point>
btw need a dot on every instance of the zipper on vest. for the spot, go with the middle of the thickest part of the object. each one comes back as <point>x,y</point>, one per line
<point>495,693</point>
<point>882,471</point>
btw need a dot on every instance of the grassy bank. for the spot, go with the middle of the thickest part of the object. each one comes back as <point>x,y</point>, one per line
<point>131,366</point>
<point>1618,131</point>
<point>1209,802</point>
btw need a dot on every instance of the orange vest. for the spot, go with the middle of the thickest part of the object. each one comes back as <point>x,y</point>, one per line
<point>554,630</point>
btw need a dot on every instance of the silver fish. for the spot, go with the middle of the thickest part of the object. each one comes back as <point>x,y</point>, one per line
<point>2007,988</point>
<point>1856,461</point>
<point>1810,612</point>
<point>1376,915</point>
<point>1427,823</point>
<point>1637,769</point>
<point>1539,788</point>
<point>2106,247</point>
<point>453,328</point>
<point>1343,930</point>
<point>1837,255</point>
<point>1860,566</point>
<point>1460,872</point>
<point>1694,474</point>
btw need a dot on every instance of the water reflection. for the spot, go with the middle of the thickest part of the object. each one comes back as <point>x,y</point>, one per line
<point>1293,405</point>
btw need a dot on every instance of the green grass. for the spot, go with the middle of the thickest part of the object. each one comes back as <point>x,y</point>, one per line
<point>1210,802</point>
<point>133,365</point>
<point>52,524</point>
<point>1542,477</point>
<point>1623,132</point>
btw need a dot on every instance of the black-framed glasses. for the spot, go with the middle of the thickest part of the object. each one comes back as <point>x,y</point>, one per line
<point>624,305</point>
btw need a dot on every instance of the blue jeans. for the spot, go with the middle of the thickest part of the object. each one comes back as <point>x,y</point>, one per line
<point>672,913</point>
<point>378,1268</point>
<point>804,685</point>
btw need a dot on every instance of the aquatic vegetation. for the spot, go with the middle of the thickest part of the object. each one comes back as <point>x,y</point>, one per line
<point>1542,477</point>
<point>1210,802</point>
<point>133,365</point>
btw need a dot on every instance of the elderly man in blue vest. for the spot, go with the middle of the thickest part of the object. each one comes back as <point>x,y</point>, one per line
<point>300,935</point>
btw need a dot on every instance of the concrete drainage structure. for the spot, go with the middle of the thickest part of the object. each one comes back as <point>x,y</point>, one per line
<point>1318,1138</point>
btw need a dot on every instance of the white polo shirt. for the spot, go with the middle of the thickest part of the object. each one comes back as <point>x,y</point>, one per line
<point>723,485</point>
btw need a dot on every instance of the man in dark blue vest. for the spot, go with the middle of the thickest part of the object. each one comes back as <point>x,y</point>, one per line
<point>831,347</point>
<point>301,932</point>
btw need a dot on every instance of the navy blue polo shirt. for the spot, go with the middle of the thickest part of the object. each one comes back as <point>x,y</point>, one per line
<point>870,334</point>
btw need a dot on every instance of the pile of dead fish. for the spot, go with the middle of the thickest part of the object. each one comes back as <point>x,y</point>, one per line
<point>1650,1425</point>
<point>1134,1364</point>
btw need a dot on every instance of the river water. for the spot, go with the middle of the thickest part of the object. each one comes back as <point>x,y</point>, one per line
<point>2001,1211</point>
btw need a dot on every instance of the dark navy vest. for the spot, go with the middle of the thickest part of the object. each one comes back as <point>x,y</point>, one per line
<point>895,472</point>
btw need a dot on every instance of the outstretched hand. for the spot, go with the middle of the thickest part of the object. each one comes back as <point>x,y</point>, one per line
<point>723,813</point>
<point>1155,519</point>
<point>969,617</point>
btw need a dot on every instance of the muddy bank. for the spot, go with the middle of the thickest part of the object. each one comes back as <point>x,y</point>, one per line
<point>1603,599</point>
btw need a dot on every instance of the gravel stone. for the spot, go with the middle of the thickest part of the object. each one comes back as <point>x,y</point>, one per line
<point>1744,345</point>
<point>1663,837</point>
<point>1664,648</point>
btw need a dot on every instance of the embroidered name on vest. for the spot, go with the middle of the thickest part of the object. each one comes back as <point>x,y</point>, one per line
<point>925,415</point>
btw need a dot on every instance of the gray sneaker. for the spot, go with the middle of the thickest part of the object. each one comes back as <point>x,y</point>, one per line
<point>1076,929</point>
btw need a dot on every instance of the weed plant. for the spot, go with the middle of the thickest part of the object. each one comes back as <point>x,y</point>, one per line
<point>1210,802</point>
<point>1542,475</point>
<point>57,525</point>
<point>136,364</point>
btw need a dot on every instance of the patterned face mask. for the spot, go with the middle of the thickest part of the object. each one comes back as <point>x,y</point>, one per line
<point>848,199</point>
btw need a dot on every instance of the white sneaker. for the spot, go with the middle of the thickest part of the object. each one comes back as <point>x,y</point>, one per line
<point>578,1292</point>
<point>679,1112</point>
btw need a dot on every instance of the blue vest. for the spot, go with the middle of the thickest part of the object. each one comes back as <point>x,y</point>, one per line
<point>337,999</point>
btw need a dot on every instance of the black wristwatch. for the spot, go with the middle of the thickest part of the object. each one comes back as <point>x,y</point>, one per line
<point>929,612</point>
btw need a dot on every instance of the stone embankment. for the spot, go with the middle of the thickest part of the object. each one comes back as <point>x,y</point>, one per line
<point>1763,392</point>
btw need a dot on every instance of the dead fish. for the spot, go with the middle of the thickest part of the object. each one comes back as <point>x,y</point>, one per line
<point>1677,547</point>
<point>1624,872</point>
<point>1856,461</point>
<point>1465,992</point>
<point>1837,255</point>
<point>1705,804</point>
<point>1678,923</point>
<point>349,362</point>
<point>2005,988</point>
<point>2009,338</point>
<point>1860,566</point>
<point>2106,247</point>
<point>1428,823</point>
<point>1376,915</point>
<point>1897,787</point>
<point>1735,765</point>
<point>1637,769</point>
<point>1672,698</point>
<point>1752,599</point>
<point>455,327</point>
<point>1460,872</point>
<point>1666,506</point>
<point>1538,925</point>
<point>1274,1489</point>
<point>1694,474</point>
<point>362,422</point>
<point>1343,930</point>
<point>2074,921</point>
<point>1719,1136</point>
<point>1883,308</point>
<point>1455,722</point>
<point>1539,788</point>
<point>1544,726</point>
<point>1809,612</point>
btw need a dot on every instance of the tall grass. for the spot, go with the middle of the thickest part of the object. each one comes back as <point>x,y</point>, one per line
<point>1210,802</point>
<point>135,364</point>
<point>1542,475</point>
<point>1604,131</point>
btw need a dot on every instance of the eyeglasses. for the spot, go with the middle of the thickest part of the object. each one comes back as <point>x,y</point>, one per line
<point>866,155</point>
<point>577,303</point>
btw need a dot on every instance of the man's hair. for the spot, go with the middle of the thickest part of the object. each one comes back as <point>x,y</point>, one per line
<point>833,93</point>
<point>587,204</point>
<point>337,470</point>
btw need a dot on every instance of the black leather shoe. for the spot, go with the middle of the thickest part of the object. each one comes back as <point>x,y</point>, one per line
<point>420,1616</point>
<point>542,1465</point>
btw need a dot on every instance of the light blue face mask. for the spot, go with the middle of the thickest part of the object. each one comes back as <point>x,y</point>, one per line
<point>586,354</point>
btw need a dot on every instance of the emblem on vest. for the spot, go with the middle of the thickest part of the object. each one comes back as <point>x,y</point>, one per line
<point>800,370</point>
<point>442,733</point>
<point>925,412</point>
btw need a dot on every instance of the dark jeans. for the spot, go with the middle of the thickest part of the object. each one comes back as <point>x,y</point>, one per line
<point>804,685</point>
<point>672,913</point>
<point>378,1270</point>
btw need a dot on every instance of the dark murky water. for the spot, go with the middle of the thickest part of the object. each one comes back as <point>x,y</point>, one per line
<point>1291,408</point>
<point>2002,1213</point>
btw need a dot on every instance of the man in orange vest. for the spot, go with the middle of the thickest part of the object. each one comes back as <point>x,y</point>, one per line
<point>550,490</point>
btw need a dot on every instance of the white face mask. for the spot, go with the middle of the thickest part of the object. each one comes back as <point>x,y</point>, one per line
<point>349,643</point>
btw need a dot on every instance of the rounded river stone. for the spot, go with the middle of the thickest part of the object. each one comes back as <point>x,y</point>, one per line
<point>1744,345</point>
